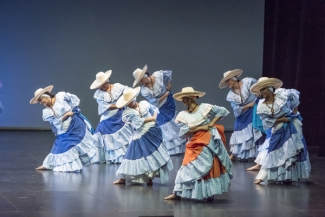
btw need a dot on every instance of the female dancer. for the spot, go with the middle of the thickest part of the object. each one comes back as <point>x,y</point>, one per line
<point>146,156</point>
<point>112,134</point>
<point>206,169</point>
<point>74,143</point>
<point>244,139</point>
<point>156,89</point>
<point>286,158</point>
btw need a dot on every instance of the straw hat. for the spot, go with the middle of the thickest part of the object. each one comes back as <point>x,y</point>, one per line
<point>128,95</point>
<point>265,82</point>
<point>138,74</point>
<point>229,74</point>
<point>187,91</point>
<point>38,93</point>
<point>101,78</point>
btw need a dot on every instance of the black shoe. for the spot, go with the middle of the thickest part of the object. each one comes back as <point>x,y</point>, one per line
<point>210,199</point>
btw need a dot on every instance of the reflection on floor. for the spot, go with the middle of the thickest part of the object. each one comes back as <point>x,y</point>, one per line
<point>26,192</point>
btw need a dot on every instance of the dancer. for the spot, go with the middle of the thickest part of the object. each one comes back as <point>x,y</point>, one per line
<point>146,156</point>
<point>74,143</point>
<point>245,138</point>
<point>112,134</point>
<point>157,90</point>
<point>287,157</point>
<point>206,169</point>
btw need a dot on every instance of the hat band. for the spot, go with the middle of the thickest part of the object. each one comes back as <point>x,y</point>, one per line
<point>45,96</point>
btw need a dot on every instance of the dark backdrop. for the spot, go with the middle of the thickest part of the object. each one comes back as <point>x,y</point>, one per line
<point>294,51</point>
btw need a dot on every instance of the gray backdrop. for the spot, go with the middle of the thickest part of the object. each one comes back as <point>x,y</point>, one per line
<point>65,43</point>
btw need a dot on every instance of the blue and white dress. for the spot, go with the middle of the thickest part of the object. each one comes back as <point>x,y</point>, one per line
<point>112,134</point>
<point>245,137</point>
<point>286,156</point>
<point>74,145</point>
<point>167,111</point>
<point>206,169</point>
<point>146,157</point>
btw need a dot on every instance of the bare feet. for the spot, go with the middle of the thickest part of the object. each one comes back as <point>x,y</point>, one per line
<point>150,182</point>
<point>119,182</point>
<point>172,197</point>
<point>232,157</point>
<point>257,167</point>
<point>258,181</point>
<point>41,168</point>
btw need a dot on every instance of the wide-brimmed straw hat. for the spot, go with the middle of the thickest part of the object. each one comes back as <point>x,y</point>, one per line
<point>138,74</point>
<point>101,78</point>
<point>38,93</point>
<point>187,92</point>
<point>228,75</point>
<point>128,95</point>
<point>265,82</point>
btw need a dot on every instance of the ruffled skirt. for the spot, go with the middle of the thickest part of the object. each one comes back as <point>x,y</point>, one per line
<point>113,137</point>
<point>287,156</point>
<point>146,157</point>
<point>72,149</point>
<point>170,131</point>
<point>206,169</point>
<point>245,138</point>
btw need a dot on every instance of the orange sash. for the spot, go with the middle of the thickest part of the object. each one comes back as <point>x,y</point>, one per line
<point>194,148</point>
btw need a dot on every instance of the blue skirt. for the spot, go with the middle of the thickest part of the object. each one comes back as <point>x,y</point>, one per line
<point>72,149</point>
<point>146,158</point>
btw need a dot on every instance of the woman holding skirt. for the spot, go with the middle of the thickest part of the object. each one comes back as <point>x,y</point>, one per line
<point>146,156</point>
<point>245,138</point>
<point>206,169</point>
<point>74,145</point>
<point>112,134</point>
<point>156,89</point>
<point>286,158</point>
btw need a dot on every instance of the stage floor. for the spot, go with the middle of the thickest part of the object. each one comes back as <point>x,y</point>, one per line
<point>27,192</point>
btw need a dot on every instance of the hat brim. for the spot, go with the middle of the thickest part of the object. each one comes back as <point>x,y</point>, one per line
<point>234,73</point>
<point>120,103</point>
<point>34,100</point>
<point>180,95</point>
<point>271,82</point>
<point>144,70</point>
<point>96,85</point>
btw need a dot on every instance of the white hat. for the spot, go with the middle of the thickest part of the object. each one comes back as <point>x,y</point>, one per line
<point>265,82</point>
<point>229,74</point>
<point>138,74</point>
<point>128,95</point>
<point>101,78</point>
<point>187,92</point>
<point>38,93</point>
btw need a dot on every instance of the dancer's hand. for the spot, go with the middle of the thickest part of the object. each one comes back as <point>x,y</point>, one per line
<point>285,119</point>
<point>66,115</point>
<point>169,86</point>
<point>205,127</point>
<point>295,111</point>
<point>251,104</point>
<point>154,117</point>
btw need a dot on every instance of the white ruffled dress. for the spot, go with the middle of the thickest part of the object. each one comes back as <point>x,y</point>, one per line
<point>194,180</point>
<point>167,111</point>
<point>112,134</point>
<point>245,137</point>
<point>146,156</point>
<point>285,155</point>
<point>74,145</point>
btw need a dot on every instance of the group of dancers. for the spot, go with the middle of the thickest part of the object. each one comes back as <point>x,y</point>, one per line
<point>141,136</point>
